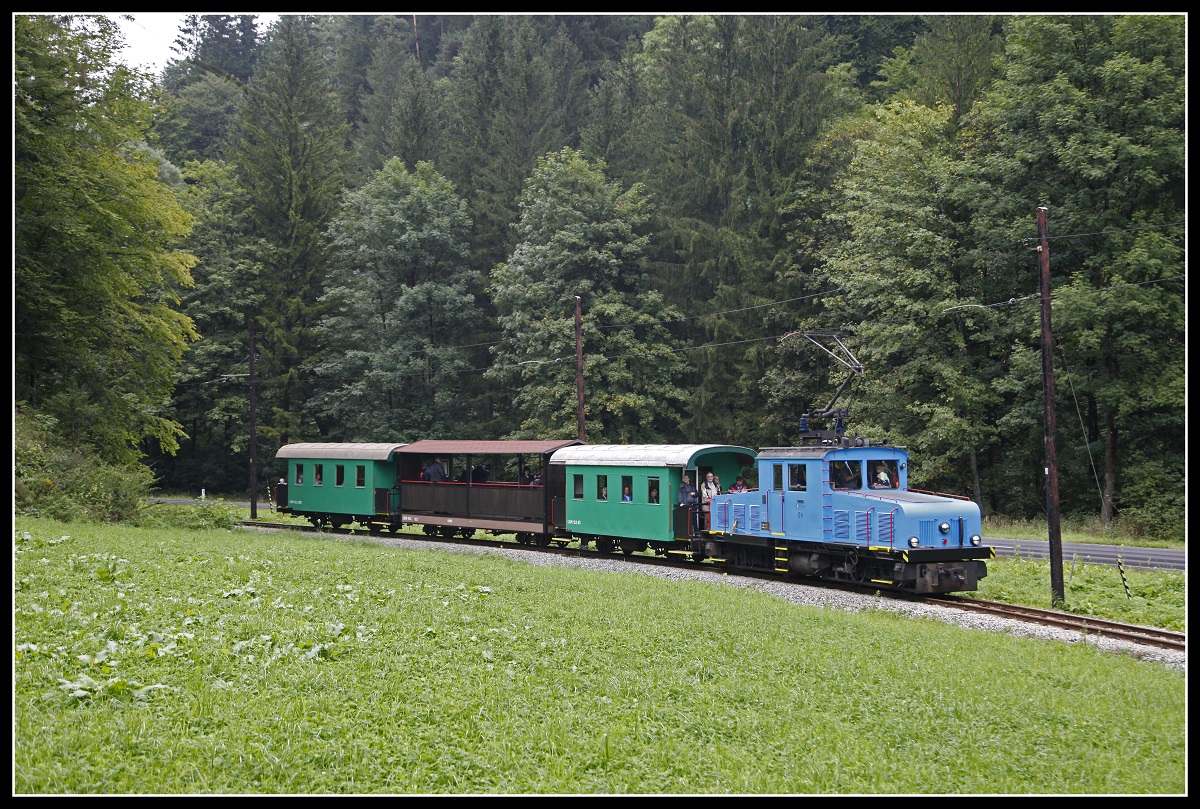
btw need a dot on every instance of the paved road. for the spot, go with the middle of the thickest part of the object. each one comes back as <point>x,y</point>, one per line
<point>1130,556</point>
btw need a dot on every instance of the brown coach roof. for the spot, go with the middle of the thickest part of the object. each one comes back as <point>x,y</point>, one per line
<point>436,447</point>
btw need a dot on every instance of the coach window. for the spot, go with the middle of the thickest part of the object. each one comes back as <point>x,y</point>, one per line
<point>601,487</point>
<point>626,488</point>
<point>652,491</point>
<point>360,476</point>
<point>340,479</point>
<point>578,486</point>
<point>797,477</point>
<point>317,473</point>
<point>299,474</point>
<point>776,477</point>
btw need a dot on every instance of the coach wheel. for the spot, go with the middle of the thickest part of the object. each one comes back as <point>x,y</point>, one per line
<point>604,545</point>
<point>467,533</point>
<point>448,531</point>
<point>316,521</point>
<point>560,543</point>
<point>632,546</point>
<point>543,540</point>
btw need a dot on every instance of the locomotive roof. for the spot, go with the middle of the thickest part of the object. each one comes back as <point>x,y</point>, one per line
<point>641,454</point>
<point>437,447</point>
<point>822,451</point>
<point>364,452</point>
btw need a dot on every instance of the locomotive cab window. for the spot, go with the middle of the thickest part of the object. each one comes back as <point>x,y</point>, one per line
<point>360,476</point>
<point>797,477</point>
<point>883,475</point>
<point>340,477</point>
<point>776,477</point>
<point>601,487</point>
<point>317,468</point>
<point>299,474</point>
<point>845,475</point>
<point>626,488</point>
<point>652,491</point>
<point>578,489</point>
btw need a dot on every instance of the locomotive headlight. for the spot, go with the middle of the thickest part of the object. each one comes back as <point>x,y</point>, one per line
<point>944,527</point>
<point>913,542</point>
<point>976,539</point>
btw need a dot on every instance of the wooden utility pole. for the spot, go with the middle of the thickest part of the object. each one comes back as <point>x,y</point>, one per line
<point>253,429</point>
<point>1057,594</point>
<point>579,362</point>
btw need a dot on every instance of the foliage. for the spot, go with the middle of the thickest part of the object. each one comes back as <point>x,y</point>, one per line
<point>580,238</point>
<point>872,175</point>
<point>194,123</point>
<point>952,63</point>
<point>400,301</point>
<point>901,280</point>
<point>97,272</point>
<point>404,115</point>
<point>241,662</point>
<point>289,153</point>
<point>52,479</point>
<point>1088,122</point>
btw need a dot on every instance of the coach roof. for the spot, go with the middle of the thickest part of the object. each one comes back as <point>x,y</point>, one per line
<point>681,455</point>
<point>361,452</point>
<point>436,447</point>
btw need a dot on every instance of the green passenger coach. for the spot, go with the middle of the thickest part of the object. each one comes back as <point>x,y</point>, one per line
<point>628,496</point>
<point>334,484</point>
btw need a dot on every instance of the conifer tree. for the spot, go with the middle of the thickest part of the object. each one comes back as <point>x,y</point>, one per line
<point>290,157</point>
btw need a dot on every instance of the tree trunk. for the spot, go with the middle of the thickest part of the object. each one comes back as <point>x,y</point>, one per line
<point>1110,470</point>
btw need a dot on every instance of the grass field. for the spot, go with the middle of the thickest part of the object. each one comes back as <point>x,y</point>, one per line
<point>172,661</point>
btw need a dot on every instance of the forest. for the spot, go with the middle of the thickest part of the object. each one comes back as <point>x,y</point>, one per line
<point>375,228</point>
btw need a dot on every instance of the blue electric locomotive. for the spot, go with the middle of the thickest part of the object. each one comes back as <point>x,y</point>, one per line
<point>845,513</point>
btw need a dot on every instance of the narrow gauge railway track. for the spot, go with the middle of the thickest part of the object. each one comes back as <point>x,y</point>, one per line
<point>1142,635</point>
<point>1097,627</point>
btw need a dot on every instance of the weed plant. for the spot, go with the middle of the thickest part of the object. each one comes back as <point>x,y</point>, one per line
<point>162,661</point>
<point>1156,598</point>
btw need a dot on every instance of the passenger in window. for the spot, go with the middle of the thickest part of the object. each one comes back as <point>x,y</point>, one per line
<point>627,496</point>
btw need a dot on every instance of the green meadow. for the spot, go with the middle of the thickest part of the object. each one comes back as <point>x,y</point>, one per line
<point>218,661</point>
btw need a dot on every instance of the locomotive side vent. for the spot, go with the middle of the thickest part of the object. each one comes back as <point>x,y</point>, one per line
<point>841,525</point>
<point>862,528</point>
